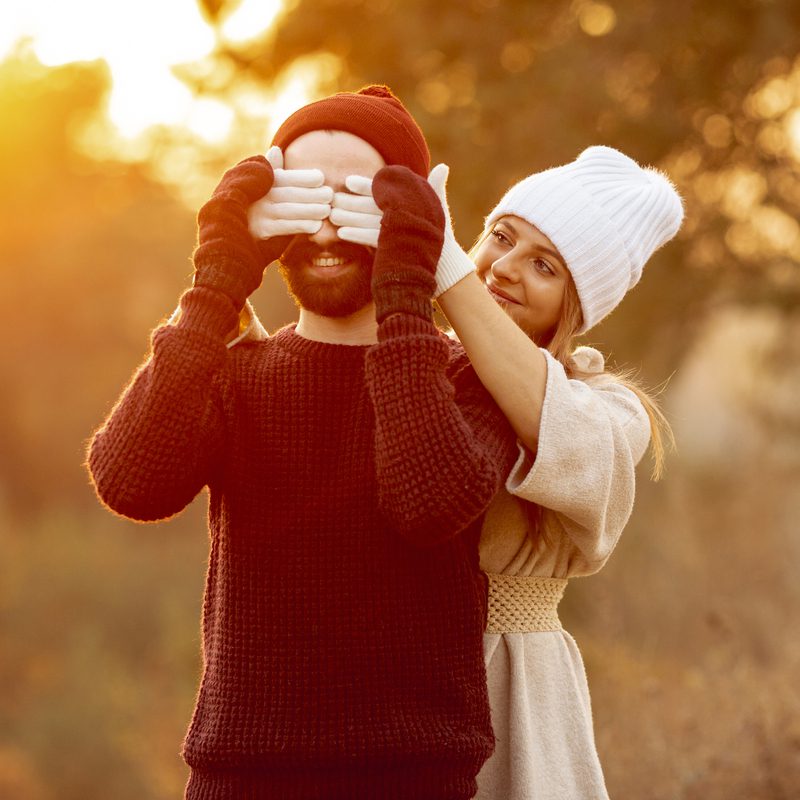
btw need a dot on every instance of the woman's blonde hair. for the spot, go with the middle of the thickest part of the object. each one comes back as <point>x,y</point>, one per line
<point>560,343</point>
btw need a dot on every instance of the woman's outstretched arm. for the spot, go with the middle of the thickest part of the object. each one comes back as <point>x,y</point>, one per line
<point>508,363</point>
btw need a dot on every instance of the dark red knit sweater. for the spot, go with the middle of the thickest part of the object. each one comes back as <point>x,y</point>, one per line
<point>344,608</point>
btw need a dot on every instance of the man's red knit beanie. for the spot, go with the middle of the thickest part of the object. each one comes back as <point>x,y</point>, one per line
<point>373,114</point>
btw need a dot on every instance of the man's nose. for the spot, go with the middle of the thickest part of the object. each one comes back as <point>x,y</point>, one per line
<point>326,235</point>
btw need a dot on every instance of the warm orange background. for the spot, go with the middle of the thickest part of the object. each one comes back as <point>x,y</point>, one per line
<point>690,634</point>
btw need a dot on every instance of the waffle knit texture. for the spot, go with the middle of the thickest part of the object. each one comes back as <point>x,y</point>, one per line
<point>344,607</point>
<point>605,214</point>
<point>374,114</point>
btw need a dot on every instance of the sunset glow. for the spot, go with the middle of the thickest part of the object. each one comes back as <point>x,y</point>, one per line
<point>141,44</point>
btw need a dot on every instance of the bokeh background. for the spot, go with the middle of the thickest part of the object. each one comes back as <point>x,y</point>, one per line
<point>116,120</point>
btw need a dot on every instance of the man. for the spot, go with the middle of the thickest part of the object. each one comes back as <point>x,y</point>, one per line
<point>348,461</point>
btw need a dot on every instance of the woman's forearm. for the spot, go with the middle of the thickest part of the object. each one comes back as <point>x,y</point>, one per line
<point>509,364</point>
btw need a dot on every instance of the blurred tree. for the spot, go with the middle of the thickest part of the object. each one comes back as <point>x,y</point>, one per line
<point>93,254</point>
<point>85,235</point>
<point>708,91</point>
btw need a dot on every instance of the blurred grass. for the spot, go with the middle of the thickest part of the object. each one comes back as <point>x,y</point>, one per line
<point>689,637</point>
<point>104,619</point>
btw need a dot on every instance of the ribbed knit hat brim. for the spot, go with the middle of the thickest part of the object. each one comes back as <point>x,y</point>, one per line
<point>374,114</point>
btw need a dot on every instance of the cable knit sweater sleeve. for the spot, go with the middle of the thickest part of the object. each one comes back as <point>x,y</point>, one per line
<point>593,433</point>
<point>443,448</point>
<point>154,452</point>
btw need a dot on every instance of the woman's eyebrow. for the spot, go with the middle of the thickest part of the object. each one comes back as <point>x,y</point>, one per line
<point>553,254</point>
<point>540,247</point>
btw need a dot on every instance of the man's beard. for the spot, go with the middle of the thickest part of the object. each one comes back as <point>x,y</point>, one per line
<point>329,296</point>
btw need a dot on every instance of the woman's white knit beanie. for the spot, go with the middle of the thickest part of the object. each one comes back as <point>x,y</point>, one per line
<point>605,214</point>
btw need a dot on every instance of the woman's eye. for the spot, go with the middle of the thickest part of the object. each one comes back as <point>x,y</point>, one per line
<point>500,236</point>
<point>542,266</point>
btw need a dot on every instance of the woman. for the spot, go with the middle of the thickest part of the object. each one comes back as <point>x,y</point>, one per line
<point>558,253</point>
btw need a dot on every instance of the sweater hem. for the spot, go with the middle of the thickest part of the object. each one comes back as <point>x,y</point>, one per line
<point>366,782</point>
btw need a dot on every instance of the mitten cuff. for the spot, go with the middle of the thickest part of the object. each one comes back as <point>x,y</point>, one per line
<point>454,265</point>
<point>228,267</point>
<point>405,290</point>
<point>206,311</point>
<point>398,326</point>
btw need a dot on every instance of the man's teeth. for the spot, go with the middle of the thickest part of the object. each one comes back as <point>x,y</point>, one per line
<point>328,261</point>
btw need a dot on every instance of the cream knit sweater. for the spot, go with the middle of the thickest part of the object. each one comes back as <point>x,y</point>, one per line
<point>592,434</point>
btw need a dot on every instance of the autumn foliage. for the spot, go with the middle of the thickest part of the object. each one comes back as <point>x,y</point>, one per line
<point>688,634</point>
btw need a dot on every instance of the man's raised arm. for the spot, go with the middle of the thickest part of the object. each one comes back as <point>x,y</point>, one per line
<point>156,449</point>
<point>443,448</point>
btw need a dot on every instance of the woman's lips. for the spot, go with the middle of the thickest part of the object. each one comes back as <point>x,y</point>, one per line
<point>500,295</point>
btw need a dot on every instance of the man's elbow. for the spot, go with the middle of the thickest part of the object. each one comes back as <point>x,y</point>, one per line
<point>139,506</point>
<point>137,495</point>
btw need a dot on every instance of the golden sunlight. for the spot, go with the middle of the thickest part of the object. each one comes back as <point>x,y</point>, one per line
<point>297,85</point>
<point>793,132</point>
<point>596,18</point>
<point>141,43</point>
<point>250,19</point>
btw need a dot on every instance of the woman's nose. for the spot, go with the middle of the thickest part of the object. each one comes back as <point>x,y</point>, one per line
<point>506,268</point>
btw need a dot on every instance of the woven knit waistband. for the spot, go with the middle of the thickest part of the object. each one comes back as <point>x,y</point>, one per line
<point>524,605</point>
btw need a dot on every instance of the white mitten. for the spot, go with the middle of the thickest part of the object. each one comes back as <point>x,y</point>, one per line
<point>454,264</point>
<point>297,202</point>
<point>355,213</point>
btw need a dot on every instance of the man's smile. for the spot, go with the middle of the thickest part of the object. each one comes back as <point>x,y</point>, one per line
<point>326,265</point>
